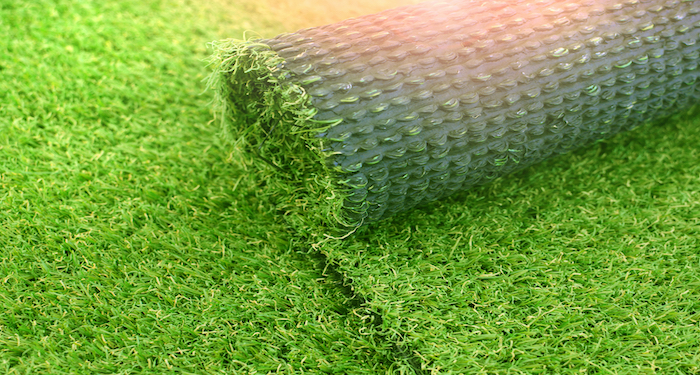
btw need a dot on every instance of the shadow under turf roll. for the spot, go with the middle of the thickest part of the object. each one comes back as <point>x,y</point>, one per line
<point>356,121</point>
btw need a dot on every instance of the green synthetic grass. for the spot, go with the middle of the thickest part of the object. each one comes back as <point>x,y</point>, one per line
<point>131,241</point>
<point>135,240</point>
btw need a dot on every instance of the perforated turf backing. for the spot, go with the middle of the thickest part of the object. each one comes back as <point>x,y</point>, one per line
<point>587,262</point>
<point>399,108</point>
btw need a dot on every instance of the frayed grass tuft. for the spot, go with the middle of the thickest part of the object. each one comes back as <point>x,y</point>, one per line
<point>267,115</point>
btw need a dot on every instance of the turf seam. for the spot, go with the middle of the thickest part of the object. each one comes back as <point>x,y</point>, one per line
<point>356,301</point>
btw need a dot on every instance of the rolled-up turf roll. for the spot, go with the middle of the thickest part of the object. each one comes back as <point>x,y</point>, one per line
<point>378,114</point>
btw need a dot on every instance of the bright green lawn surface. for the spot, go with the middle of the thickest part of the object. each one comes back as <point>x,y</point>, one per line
<point>130,241</point>
<point>134,241</point>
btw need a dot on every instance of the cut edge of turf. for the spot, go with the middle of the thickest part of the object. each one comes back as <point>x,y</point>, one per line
<point>268,117</point>
<point>264,111</point>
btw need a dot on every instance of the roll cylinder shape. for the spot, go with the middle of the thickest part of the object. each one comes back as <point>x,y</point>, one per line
<point>415,103</point>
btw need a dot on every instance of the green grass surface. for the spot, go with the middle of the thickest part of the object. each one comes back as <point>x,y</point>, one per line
<point>134,240</point>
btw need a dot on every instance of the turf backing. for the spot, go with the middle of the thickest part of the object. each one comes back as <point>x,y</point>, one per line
<point>586,262</point>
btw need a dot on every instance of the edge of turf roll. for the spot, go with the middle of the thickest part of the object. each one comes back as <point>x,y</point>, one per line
<point>269,117</point>
<point>376,115</point>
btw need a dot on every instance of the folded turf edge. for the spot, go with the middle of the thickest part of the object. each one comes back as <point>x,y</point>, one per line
<point>269,117</point>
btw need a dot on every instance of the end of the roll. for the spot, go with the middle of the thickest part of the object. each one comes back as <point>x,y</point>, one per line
<point>270,119</point>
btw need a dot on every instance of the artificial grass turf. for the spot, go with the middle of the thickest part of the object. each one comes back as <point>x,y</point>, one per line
<point>512,302</point>
<point>131,241</point>
<point>135,241</point>
<point>406,106</point>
